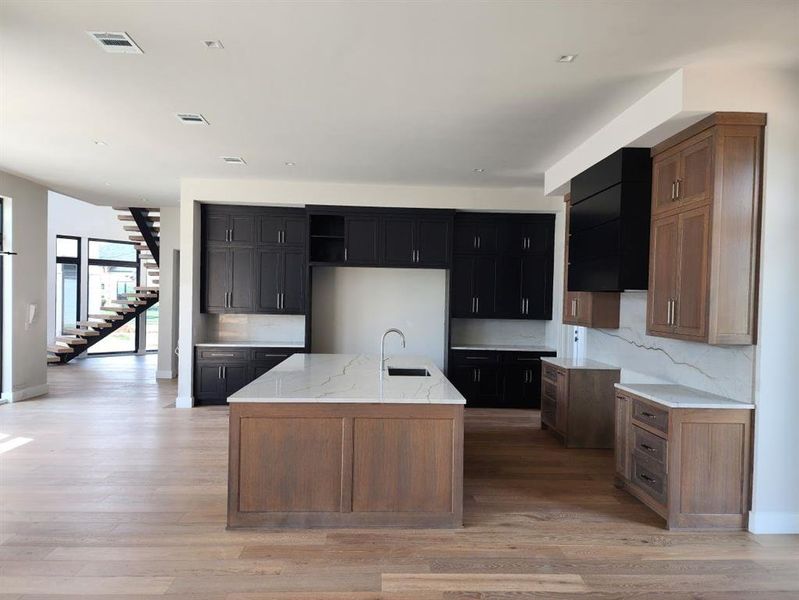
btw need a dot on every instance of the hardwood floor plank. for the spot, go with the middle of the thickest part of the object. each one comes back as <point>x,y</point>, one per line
<point>497,582</point>
<point>86,586</point>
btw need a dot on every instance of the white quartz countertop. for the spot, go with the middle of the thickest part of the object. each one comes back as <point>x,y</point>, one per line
<point>502,347</point>
<point>679,396</point>
<point>349,378</point>
<point>577,363</point>
<point>252,344</point>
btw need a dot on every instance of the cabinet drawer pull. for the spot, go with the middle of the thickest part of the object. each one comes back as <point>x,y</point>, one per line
<point>648,448</point>
<point>221,354</point>
<point>477,358</point>
<point>647,478</point>
<point>275,355</point>
<point>648,415</point>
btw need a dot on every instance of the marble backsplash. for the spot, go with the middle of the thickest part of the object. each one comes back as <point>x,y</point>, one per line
<point>723,370</point>
<point>269,328</point>
<point>498,331</point>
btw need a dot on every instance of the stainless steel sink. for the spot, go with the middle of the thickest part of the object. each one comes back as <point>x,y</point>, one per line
<point>407,372</point>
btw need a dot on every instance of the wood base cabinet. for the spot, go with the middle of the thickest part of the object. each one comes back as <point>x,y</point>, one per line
<point>591,309</point>
<point>345,465</point>
<point>704,251</point>
<point>577,403</point>
<point>689,465</point>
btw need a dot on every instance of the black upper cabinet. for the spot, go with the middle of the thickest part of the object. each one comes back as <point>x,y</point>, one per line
<point>253,259</point>
<point>280,281</point>
<point>283,229</point>
<point>381,237</point>
<point>474,286</point>
<point>609,224</point>
<point>398,240</point>
<point>361,240</point>
<point>514,279</point>
<point>475,234</point>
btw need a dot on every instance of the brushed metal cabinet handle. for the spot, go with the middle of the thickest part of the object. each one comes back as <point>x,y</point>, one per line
<point>673,190</point>
<point>478,304</point>
<point>679,181</point>
<point>345,255</point>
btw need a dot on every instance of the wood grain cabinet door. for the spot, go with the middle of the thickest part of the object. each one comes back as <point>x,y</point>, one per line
<point>268,268</point>
<point>432,242</point>
<point>241,279</point>
<point>663,266</point>
<point>562,407</point>
<point>696,173</point>
<point>690,310</point>
<point>361,233</point>
<point>665,172</point>
<point>216,279</point>
<point>293,281</point>
<point>398,241</point>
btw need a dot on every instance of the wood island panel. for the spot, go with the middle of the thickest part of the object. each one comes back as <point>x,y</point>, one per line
<point>345,465</point>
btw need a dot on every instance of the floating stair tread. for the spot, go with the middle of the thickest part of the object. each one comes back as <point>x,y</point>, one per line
<point>51,360</point>
<point>81,332</point>
<point>151,265</point>
<point>120,309</point>
<point>59,349</point>
<point>72,341</point>
<point>107,317</point>
<point>144,288</point>
<point>94,324</point>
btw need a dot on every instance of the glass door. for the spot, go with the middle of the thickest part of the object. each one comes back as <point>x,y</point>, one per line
<point>113,275</point>
<point>67,288</point>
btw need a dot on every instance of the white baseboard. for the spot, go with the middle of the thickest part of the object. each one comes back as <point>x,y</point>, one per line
<point>184,402</point>
<point>25,393</point>
<point>165,374</point>
<point>773,522</point>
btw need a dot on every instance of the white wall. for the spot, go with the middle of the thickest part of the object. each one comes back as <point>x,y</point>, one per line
<point>282,193</point>
<point>774,361</point>
<point>24,341</point>
<point>352,307</point>
<point>70,216</point>
<point>168,293</point>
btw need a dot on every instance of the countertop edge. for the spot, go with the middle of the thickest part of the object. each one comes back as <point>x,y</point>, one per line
<point>724,404</point>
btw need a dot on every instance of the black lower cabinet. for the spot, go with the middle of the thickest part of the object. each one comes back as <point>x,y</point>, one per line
<point>497,379</point>
<point>220,371</point>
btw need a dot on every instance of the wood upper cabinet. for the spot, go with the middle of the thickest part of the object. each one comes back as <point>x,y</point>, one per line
<point>418,241</point>
<point>704,251</point>
<point>473,287</point>
<point>227,280</point>
<point>684,175</point>
<point>282,229</point>
<point>361,235</point>
<point>280,277</point>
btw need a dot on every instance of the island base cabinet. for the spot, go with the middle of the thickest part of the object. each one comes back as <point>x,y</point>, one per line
<point>691,466</point>
<point>345,465</point>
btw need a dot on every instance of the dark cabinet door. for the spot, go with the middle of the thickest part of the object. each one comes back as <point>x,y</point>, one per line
<point>510,304</point>
<point>235,376</point>
<point>432,242</point>
<point>209,385</point>
<point>398,241</point>
<point>461,296</point>
<point>487,385</point>
<point>537,272</point>
<point>293,280</point>
<point>476,237</point>
<point>240,298</point>
<point>484,286</point>
<point>295,230</point>
<point>268,268</point>
<point>361,240</point>
<point>242,229</point>
<point>216,276</point>
<point>270,228</point>
<point>215,228</point>
<point>464,378</point>
<point>522,386</point>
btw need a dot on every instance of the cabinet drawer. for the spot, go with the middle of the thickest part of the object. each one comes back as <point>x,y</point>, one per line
<point>270,354</point>
<point>222,354</point>
<point>548,411</point>
<point>650,479</point>
<point>475,357</point>
<point>550,372</point>
<point>549,390</point>
<point>656,418</point>
<point>523,359</point>
<point>650,446</point>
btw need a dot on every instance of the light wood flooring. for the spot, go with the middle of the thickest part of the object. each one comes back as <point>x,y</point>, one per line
<point>119,495</point>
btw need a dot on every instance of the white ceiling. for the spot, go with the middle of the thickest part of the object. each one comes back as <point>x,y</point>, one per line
<point>384,92</point>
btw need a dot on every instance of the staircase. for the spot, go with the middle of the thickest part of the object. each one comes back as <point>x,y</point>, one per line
<point>143,226</point>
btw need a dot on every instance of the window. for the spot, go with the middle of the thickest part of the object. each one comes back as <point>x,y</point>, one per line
<point>113,274</point>
<point>67,288</point>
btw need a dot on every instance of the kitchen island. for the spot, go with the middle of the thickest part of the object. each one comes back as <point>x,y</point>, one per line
<point>331,440</point>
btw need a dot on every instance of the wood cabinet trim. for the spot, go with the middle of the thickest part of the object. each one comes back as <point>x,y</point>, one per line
<point>718,118</point>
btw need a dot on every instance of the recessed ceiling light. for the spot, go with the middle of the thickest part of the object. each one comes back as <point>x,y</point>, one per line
<point>479,170</point>
<point>193,119</point>
<point>99,143</point>
<point>567,58</point>
<point>288,163</point>
<point>233,160</point>
<point>215,44</point>
<point>107,183</point>
<point>116,43</point>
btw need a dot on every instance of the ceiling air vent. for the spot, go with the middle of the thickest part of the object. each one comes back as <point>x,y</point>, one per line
<point>234,160</point>
<point>193,119</point>
<point>117,43</point>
